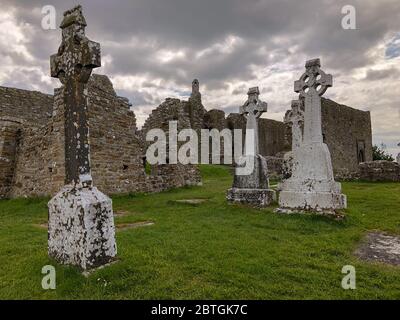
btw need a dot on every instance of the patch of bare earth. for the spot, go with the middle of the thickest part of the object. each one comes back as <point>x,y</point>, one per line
<point>380,247</point>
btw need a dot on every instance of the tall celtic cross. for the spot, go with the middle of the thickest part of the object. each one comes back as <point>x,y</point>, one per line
<point>295,118</point>
<point>73,64</point>
<point>252,110</point>
<point>311,86</point>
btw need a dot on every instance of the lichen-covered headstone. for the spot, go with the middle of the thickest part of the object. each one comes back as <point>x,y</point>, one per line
<point>81,223</point>
<point>253,187</point>
<point>312,186</point>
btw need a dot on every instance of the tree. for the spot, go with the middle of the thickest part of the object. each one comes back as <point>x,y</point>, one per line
<point>379,153</point>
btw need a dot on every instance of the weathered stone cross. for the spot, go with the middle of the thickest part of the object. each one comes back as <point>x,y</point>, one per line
<point>252,110</point>
<point>73,64</point>
<point>312,186</point>
<point>311,86</point>
<point>294,118</point>
<point>81,224</point>
<point>251,182</point>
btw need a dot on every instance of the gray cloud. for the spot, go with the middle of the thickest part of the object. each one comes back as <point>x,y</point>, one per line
<point>228,44</point>
<point>390,73</point>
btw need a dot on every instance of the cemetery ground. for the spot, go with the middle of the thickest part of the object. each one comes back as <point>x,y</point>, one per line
<point>207,249</point>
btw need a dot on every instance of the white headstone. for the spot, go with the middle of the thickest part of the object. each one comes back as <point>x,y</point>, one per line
<point>312,186</point>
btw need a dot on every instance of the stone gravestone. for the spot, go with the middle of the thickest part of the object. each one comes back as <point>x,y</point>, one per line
<point>253,187</point>
<point>312,186</point>
<point>398,156</point>
<point>81,225</point>
<point>294,118</point>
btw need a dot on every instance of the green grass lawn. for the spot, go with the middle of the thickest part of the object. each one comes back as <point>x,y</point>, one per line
<point>210,250</point>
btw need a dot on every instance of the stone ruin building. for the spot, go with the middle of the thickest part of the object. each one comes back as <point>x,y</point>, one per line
<point>32,148</point>
<point>346,131</point>
<point>31,140</point>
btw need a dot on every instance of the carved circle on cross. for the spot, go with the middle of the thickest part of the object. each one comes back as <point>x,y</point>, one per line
<point>313,80</point>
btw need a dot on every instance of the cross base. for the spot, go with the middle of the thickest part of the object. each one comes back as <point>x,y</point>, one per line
<point>318,202</point>
<point>257,175</point>
<point>311,186</point>
<point>81,228</point>
<point>255,197</point>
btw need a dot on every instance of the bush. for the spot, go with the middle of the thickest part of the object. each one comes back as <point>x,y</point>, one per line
<point>379,153</point>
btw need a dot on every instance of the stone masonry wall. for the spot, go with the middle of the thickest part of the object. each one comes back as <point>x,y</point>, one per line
<point>271,134</point>
<point>9,135</point>
<point>379,171</point>
<point>39,168</point>
<point>116,150</point>
<point>32,140</point>
<point>32,169</point>
<point>343,128</point>
<point>171,110</point>
<point>32,106</point>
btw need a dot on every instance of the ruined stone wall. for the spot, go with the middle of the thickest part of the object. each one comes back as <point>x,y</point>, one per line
<point>32,169</point>
<point>169,110</point>
<point>22,112</point>
<point>10,130</point>
<point>379,171</point>
<point>39,165</point>
<point>215,119</point>
<point>346,131</point>
<point>195,111</point>
<point>271,134</point>
<point>116,150</point>
<point>176,175</point>
<point>27,105</point>
<point>348,134</point>
<point>32,154</point>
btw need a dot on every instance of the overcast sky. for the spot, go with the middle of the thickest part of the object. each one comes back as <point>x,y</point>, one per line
<point>153,49</point>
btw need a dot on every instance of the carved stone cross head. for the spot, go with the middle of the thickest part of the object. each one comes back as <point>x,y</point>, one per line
<point>296,114</point>
<point>77,56</point>
<point>314,80</point>
<point>253,106</point>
